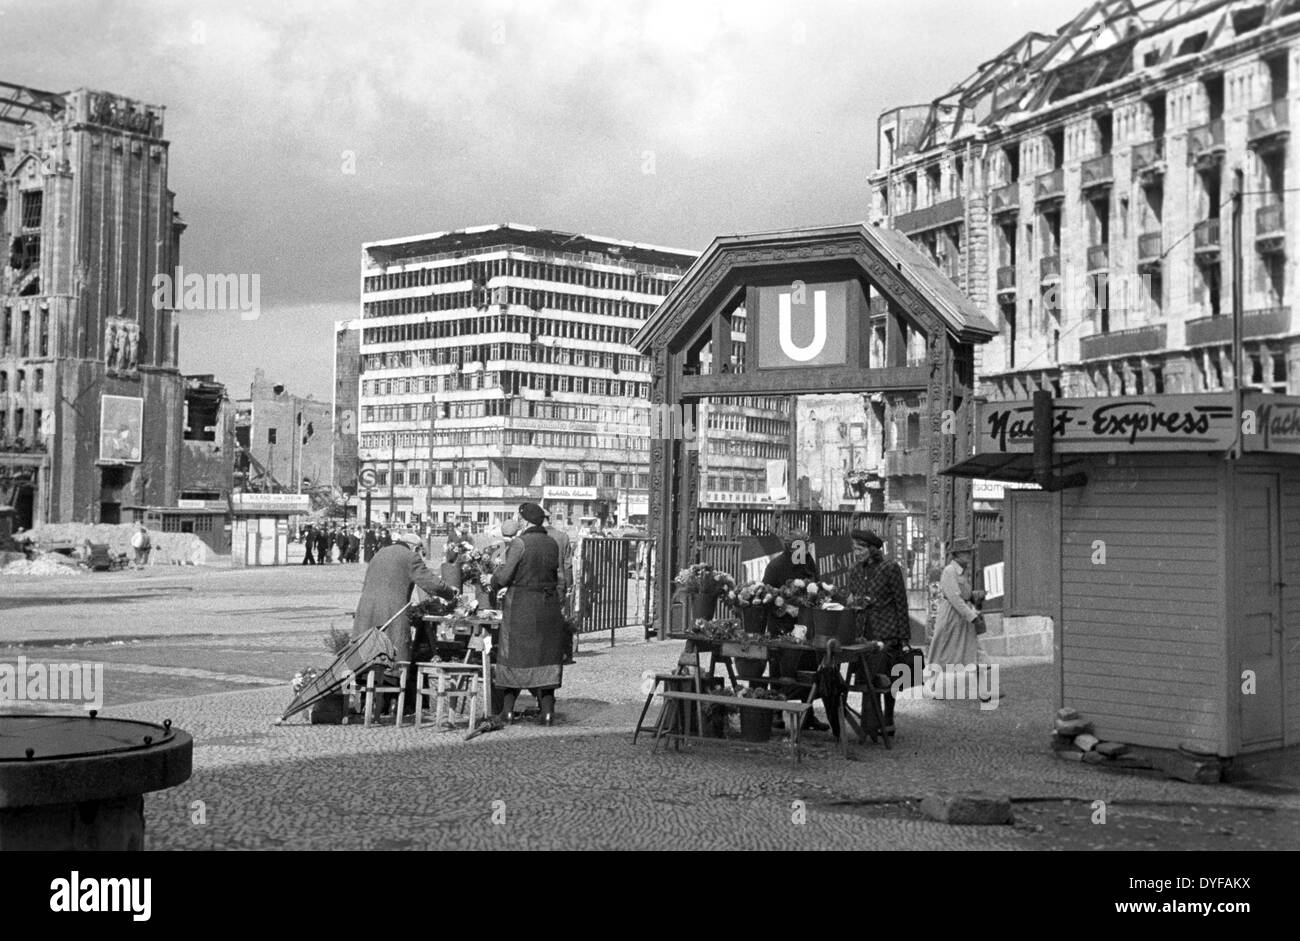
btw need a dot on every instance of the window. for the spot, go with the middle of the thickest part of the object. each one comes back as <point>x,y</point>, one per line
<point>270,436</point>
<point>32,206</point>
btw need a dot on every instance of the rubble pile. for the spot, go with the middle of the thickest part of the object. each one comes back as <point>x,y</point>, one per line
<point>168,548</point>
<point>47,563</point>
<point>1072,740</point>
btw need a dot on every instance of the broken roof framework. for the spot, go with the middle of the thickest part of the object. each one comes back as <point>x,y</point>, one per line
<point>1095,48</point>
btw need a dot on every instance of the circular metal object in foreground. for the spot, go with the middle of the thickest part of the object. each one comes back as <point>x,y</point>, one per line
<point>55,759</point>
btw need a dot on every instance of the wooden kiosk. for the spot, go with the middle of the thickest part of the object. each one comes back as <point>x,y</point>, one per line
<point>1166,547</point>
<point>797,312</point>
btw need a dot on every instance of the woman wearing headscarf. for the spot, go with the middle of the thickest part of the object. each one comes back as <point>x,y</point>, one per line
<point>532,640</point>
<point>796,561</point>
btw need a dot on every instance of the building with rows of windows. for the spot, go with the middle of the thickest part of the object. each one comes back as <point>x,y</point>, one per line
<point>1079,186</point>
<point>491,366</point>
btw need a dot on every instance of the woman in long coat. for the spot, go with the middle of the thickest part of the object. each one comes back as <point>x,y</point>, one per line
<point>955,644</point>
<point>532,641</point>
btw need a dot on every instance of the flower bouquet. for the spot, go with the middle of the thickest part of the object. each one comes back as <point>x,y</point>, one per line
<point>705,585</point>
<point>753,602</point>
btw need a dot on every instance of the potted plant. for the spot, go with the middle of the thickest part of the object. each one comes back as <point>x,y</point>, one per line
<point>704,585</point>
<point>756,724</point>
<point>715,715</point>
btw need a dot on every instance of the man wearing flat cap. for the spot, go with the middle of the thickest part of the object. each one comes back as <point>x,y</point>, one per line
<point>386,592</point>
<point>533,637</point>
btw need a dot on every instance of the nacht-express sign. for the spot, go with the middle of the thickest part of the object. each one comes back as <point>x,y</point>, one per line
<point>1203,422</point>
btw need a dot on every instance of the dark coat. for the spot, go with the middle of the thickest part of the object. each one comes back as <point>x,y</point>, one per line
<point>390,576</point>
<point>533,638</point>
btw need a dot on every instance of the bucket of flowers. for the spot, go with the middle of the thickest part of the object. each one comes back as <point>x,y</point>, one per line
<point>833,616</point>
<point>752,601</point>
<point>704,585</point>
<point>756,724</point>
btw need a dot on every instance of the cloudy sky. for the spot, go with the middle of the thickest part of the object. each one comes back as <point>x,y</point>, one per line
<point>665,122</point>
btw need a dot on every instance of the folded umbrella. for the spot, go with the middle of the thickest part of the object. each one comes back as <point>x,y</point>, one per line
<point>373,648</point>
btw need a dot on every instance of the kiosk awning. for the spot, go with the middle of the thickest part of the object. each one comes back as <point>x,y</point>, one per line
<point>1011,467</point>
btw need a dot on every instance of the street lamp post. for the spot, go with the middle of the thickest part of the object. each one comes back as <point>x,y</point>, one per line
<point>428,490</point>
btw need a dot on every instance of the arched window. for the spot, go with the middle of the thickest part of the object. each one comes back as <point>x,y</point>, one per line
<point>38,381</point>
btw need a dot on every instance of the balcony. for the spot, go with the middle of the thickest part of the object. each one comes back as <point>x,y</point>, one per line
<point>1205,144</point>
<point>1005,199</point>
<point>931,217</point>
<point>1270,229</point>
<point>1149,161</point>
<point>1268,128</point>
<point>1123,342</point>
<point>1098,173</point>
<point>1149,251</point>
<point>1007,279</point>
<point>1210,331</point>
<point>1049,269</point>
<point>912,462</point>
<point>1098,258</point>
<point>1050,186</point>
<point>1206,241</point>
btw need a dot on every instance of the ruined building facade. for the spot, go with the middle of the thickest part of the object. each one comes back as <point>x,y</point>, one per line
<point>91,401</point>
<point>1079,187</point>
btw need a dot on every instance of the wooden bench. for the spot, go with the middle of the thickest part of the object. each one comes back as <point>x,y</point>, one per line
<point>796,710</point>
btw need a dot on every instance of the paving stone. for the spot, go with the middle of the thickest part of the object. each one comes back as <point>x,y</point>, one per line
<point>1067,714</point>
<point>1095,758</point>
<point>1072,727</point>
<point>1086,742</point>
<point>1112,749</point>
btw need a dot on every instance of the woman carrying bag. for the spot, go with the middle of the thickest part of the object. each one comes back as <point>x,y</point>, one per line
<point>958,624</point>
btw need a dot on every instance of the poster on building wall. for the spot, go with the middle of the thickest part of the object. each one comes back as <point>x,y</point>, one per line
<point>121,429</point>
<point>778,490</point>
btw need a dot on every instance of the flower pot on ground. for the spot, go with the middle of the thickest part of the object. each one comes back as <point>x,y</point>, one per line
<point>329,710</point>
<point>755,724</point>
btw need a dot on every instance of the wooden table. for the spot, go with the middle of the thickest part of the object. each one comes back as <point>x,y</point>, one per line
<point>842,655</point>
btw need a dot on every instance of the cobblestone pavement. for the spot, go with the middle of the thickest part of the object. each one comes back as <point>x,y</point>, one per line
<point>581,784</point>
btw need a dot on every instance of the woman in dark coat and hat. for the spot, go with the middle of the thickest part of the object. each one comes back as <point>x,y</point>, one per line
<point>532,641</point>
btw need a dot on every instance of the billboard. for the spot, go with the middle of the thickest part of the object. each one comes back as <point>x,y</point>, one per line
<point>121,429</point>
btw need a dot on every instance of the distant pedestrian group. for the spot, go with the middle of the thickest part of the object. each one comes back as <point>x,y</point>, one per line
<point>326,543</point>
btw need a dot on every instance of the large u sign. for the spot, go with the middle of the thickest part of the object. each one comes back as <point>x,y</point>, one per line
<point>784,328</point>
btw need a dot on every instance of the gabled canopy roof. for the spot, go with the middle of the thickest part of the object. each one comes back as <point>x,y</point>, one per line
<point>731,259</point>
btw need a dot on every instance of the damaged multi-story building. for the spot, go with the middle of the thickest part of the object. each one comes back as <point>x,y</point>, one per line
<point>284,441</point>
<point>91,400</point>
<point>1080,187</point>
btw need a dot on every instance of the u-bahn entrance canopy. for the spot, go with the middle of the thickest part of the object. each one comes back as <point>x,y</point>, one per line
<point>825,310</point>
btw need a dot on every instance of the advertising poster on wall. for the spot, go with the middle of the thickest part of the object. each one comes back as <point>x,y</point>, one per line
<point>121,429</point>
